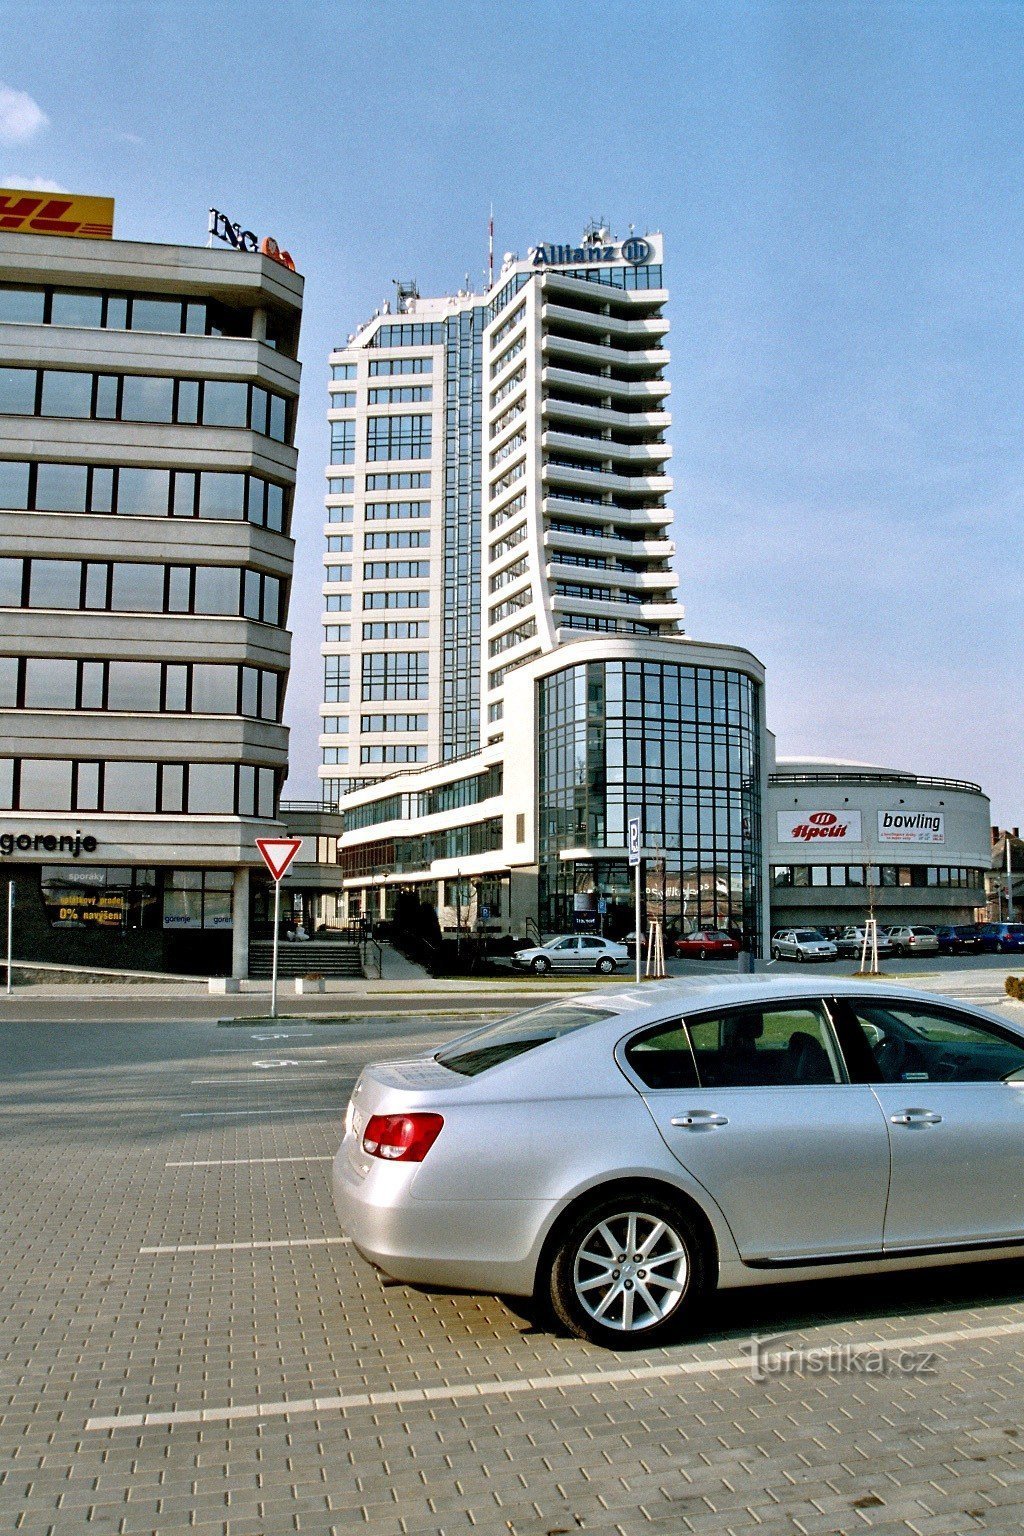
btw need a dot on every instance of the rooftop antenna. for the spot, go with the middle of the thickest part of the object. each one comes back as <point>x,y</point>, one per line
<point>490,249</point>
<point>405,291</point>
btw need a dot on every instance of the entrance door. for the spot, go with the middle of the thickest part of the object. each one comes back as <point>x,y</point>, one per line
<point>761,1112</point>
<point>953,1099</point>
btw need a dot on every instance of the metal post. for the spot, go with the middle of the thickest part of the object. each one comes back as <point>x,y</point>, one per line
<point>10,932</point>
<point>636,922</point>
<point>277,939</point>
<point>1009,880</point>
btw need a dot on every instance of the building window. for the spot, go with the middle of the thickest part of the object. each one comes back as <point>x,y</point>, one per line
<point>376,511</point>
<point>398,437</point>
<point>396,599</point>
<point>401,480</point>
<point>383,366</point>
<point>343,442</point>
<point>395,675</point>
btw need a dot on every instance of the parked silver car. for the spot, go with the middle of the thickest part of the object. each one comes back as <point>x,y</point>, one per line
<point>802,944</point>
<point>851,943</point>
<point>576,952</point>
<point>618,1156</point>
<point>914,941</point>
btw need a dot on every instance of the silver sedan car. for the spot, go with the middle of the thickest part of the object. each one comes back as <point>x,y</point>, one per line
<point>619,1156</point>
<point>575,952</point>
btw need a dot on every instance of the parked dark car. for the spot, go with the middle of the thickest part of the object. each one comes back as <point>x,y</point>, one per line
<point>1006,938</point>
<point>957,938</point>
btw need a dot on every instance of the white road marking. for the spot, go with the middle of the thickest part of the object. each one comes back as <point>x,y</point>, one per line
<point>195,1114</point>
<point>304,1035</point>
<point>288,1061</point>
<point>278,1242</point>
<point>519,1384</point>
<point>230,1162</point>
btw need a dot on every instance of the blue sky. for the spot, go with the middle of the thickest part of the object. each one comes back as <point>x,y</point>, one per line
<point>840,191</point>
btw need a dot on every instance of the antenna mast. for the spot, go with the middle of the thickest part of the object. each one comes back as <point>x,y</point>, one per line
<point>490,249</point>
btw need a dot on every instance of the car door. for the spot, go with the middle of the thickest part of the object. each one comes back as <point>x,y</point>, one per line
<point>754,1101</point>
<point>951,1087</point>
<point>565,953</point>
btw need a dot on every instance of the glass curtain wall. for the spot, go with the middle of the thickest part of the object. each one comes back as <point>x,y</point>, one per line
<point>460,672</point>
<point>677,746</point>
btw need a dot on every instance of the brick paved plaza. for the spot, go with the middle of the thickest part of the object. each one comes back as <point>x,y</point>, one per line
<point>189,1344</point>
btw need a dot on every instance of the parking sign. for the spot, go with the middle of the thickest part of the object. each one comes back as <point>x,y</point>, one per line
<point>634,840</point>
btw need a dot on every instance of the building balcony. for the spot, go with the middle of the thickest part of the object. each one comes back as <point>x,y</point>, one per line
<point>638,519</point>
<point>579,383</point>
<point>589,320</point>
<point>644,454</point>
<point>592,541</point>
<point>637,583</point>
<point>625,361</point>
<point>619,421</point>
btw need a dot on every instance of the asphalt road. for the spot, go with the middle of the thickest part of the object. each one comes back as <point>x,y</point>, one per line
<point>190,1345</point>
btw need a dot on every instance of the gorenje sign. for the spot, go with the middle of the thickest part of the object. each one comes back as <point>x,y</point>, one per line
<point>46,842</point>
<point>813,826</point>
<point>634,251</point>
<point>911,827</point>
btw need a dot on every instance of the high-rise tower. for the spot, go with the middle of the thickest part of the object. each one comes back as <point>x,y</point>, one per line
<point>498,523</point>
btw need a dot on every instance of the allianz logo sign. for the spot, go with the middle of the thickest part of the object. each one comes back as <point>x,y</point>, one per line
<point>820,824</point>
<point>634,250</point>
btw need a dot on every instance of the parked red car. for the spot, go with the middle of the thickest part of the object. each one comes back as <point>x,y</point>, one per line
<point>707,944</point>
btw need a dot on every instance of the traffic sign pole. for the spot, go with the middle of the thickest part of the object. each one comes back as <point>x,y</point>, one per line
<point>277,854</point>
<point>634,858</point>
<point>277,940</point>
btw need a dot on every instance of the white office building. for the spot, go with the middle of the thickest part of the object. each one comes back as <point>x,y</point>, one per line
<point>147,404</point>
<point>507,680</point>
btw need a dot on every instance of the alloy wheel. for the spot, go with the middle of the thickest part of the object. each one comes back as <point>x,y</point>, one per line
<point>631,1271</point>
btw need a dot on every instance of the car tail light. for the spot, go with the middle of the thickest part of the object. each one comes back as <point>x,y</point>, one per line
<point>401,1138</point>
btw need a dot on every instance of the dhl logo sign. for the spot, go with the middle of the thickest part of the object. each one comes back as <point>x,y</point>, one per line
<point>51,213</point>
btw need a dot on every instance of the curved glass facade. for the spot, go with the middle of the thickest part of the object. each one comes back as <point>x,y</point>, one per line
<point>677,745</point>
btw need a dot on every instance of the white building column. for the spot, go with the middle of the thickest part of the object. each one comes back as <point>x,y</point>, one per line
<point>240,925</point>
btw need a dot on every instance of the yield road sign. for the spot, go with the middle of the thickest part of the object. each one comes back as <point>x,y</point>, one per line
<point>278,853</point>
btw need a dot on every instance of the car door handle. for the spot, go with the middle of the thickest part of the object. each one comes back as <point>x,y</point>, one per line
<point>916,1117</point>
<point>697,1119</point>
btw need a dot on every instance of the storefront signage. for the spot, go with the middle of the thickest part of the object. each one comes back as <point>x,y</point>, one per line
<point>46,842</point>
<point>635,251</point>
<point>911,827</point>
<point>812,826</point>
<point>44,213</point>
<point>85,909</point>
<point>222,228</point>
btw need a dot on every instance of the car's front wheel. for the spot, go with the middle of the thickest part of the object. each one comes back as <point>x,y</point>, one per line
<point>703,954</point>
<point>606,965</point>
<point>629,1272</point>
<point>540,965</point>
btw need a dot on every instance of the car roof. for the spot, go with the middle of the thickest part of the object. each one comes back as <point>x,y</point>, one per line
<point>688,994</point>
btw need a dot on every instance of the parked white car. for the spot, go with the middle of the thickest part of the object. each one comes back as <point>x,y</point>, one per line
<point>576,952</point>
<point>802,944</point>
<point>914,941</point>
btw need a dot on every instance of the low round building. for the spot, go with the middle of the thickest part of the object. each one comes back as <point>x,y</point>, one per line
<point>845,837</point>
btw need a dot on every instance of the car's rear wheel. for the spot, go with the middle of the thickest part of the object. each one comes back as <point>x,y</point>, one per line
<point>629,1272</point>
<point>606,965</point>
<point>541,964</point>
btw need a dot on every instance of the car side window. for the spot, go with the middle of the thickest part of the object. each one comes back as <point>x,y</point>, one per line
<point>922,1043</point>
<point>565,944</point>
<point>662,1057</point>
<point>767,1046</point>
<point>586,943</point>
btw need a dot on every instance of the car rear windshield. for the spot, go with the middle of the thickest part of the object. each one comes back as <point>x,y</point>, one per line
<point>521,1032</point>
